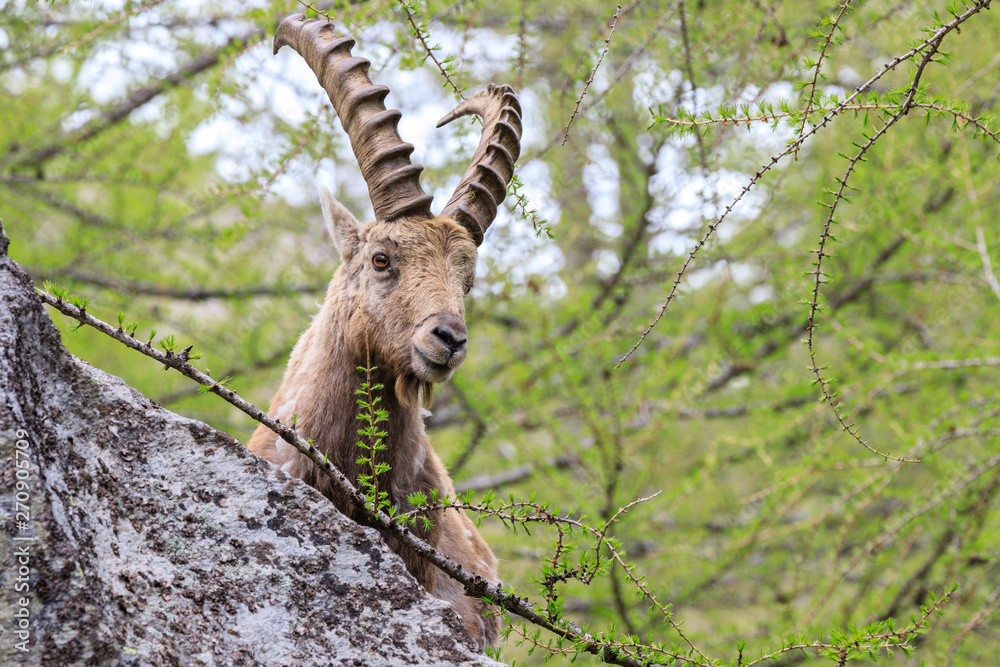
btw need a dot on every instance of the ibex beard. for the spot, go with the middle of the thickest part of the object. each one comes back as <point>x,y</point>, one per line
<point>395,305</point>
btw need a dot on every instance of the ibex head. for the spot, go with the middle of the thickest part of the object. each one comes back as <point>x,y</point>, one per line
<point>407,279</point>
<point>408,270</point>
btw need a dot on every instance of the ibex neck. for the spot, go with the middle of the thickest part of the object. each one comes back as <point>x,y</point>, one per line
<point>321,389</point>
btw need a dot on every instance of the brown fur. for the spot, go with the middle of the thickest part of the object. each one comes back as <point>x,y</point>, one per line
<point>386,315</point>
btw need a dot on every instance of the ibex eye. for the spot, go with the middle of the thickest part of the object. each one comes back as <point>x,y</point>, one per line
<point>380,261</point>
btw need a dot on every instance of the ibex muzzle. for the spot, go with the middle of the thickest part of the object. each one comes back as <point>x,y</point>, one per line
<point>439,346</point>
<point>396,304</point>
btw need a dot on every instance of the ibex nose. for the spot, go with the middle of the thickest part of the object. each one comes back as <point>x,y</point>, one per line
<point>439,346</point>
<point>452,336</point>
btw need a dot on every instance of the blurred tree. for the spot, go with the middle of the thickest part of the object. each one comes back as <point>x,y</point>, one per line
<point>158,159</point>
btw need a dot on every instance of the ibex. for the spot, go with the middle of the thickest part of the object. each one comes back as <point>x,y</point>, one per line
<point>395,303</point>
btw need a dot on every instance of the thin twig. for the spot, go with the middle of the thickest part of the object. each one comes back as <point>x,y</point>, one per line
<point>772,117</point>
<point>593,73</point>
<point>617,77</point>
<point>181,293</point>
<point>522,43</point>
<point>834,26</point>
<point>689,70</point>
<point>953,363</point>
<point>513,475</point>
<point>984,255</point>
<point>428,50</point>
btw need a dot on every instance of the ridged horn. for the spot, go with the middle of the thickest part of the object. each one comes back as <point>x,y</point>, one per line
<point>384,158</point>
<point>484,185</point>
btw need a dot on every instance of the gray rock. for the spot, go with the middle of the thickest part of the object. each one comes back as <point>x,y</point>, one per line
<point>151,539</point>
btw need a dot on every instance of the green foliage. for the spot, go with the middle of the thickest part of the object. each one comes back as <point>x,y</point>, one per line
<point>372,441</point>
<point>523,208</point>
<point>773,169</point>
<point>202,389</point>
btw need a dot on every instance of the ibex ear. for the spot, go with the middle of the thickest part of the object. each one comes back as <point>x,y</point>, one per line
<point>343,226</point>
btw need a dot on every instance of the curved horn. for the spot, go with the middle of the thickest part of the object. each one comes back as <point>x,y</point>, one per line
<point>393,181</point>
<point>484,185</point>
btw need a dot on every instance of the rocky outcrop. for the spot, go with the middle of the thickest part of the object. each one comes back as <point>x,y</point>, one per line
<point>135,536</point>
